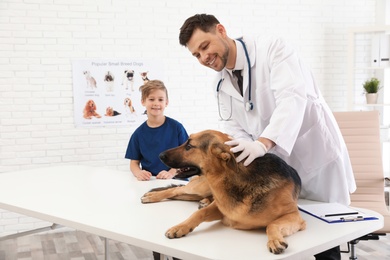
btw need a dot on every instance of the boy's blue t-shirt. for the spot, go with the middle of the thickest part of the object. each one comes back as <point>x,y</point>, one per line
<point>147,143</point>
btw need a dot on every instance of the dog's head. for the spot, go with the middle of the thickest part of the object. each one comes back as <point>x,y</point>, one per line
<point>109,111</point>
<point>129,74</point>
<point>90,105</point>
<point>144,75</point>
<point>128,102</point>
<point>86,73</point>
<point>202,152</point>
<point>108,77</point>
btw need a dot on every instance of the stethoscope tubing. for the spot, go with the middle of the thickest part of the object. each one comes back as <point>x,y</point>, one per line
<point>249,70</point>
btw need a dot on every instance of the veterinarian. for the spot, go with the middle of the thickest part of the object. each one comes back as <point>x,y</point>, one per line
<point>278,108</point>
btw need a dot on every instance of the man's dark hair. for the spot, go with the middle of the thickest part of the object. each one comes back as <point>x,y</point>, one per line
<point>204,22</point>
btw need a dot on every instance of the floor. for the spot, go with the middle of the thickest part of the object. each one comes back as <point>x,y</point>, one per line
<point>78,245</point>
<point>68,245</point>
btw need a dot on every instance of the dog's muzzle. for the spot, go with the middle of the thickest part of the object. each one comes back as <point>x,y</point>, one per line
<point>183,171</point>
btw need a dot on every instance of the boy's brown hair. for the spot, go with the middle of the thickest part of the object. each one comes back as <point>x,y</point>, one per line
<point>150,86</point>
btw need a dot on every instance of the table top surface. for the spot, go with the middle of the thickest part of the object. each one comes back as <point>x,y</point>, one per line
<point>107,203</point>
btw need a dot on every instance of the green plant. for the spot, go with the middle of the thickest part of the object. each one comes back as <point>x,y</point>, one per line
<point>371,85</point>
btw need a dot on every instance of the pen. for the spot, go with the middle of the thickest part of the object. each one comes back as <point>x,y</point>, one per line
<point>352,218</point>
<point>341,214</point>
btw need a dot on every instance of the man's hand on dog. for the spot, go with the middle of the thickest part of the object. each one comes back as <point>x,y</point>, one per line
<point>249,149</point>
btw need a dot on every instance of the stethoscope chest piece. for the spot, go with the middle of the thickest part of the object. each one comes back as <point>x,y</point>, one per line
<point>248,106</point>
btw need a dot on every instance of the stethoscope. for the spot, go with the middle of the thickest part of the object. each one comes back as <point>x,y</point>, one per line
<point>249,103</point>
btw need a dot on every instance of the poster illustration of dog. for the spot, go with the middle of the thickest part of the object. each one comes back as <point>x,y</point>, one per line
<point>128,79</point>
<point>129,108</point>
<point>109,80</point>
<point>91,82</point>
<point>144,76</point>
<point>111,112</point>
<point>90,110</point>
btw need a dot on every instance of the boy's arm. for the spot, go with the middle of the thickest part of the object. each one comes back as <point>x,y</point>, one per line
<point>140,174</point>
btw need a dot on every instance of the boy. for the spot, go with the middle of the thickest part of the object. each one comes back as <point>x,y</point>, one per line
<point>157,134</point>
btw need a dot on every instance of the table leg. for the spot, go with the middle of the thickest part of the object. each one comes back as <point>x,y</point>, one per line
<point>29,232</point>
<point>106,249</point>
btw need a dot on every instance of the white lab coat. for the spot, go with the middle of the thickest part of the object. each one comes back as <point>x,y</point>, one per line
<point>289,110</point>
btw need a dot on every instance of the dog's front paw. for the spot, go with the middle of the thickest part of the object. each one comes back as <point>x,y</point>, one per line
<point>150,197</point>
<point>277,246</point>
<point>178,231</point>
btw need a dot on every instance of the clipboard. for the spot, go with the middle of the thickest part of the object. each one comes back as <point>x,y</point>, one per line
<point>335,212</point>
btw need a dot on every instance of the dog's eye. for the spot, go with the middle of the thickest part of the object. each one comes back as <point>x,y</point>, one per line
<point>188,147</point>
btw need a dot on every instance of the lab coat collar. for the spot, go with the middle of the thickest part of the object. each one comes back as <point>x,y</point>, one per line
<point>240,57</point>
<point>241,64</point>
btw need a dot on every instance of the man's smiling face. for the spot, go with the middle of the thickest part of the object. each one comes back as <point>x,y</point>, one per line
<point>210,48</point>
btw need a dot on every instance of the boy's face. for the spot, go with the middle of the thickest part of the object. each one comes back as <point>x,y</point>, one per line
<point>155,103</point>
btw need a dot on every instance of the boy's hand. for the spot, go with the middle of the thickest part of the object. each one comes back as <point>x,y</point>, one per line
<point>166,174</point>
<point>143,175</point>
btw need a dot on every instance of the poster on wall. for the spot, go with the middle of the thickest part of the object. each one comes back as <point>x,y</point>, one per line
<point>106,92</point>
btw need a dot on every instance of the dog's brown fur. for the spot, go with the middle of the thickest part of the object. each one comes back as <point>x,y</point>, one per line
<point>263,194</point>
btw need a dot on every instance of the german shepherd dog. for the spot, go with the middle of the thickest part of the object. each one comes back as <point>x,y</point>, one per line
<point>263,194</point>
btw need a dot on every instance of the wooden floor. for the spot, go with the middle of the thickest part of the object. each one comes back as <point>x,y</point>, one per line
<point>77,245</point>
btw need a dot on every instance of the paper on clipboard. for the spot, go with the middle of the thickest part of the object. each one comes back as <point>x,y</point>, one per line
<point>334,212</point>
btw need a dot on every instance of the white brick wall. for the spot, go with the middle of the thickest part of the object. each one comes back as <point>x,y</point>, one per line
<point>39,38</point>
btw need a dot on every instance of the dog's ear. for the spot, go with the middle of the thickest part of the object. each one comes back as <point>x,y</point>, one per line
<point>222,151</point>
